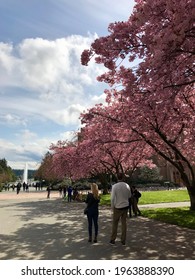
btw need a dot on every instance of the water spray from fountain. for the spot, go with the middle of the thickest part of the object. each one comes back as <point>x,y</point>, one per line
<point>25,174</point>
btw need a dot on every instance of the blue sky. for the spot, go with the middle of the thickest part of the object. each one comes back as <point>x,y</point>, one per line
<point>43,86</point>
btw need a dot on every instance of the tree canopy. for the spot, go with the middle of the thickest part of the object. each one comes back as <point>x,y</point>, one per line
<point>150,62</point>
<point>150,103</point>
<point>6,173</point>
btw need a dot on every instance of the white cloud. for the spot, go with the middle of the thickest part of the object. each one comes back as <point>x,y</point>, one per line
<point>99,98</point>
<point>68,135</point>
<point>68,116</point>
<point>30,150</point>
<point>51,77</point>
<point>27,135</point>
<point>41,64</point>
<point>12,119</point>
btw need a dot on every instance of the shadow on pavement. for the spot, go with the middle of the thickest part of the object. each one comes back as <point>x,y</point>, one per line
<point>52,229</point>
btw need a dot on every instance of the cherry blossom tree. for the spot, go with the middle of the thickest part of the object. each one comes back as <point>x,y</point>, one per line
<point>100,150</point>
<point>117,145</point>
<point>63,158</point>
<point>91,157</point>
<point>161,34</point>
<point>150,61</point>
<point>46,170</point>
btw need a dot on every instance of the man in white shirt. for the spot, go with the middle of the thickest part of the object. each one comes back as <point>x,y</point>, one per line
<point>120,195</point>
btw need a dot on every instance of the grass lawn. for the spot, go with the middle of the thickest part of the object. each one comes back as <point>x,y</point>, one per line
<point>150,197</point>
<point>163,196</point>
<point>180,216</point>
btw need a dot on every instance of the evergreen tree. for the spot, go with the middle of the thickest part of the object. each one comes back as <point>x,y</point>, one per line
<point>6,173</point>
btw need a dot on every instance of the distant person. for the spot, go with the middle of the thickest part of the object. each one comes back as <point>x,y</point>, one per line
<point>60,191</point>
<point>48,191</point>
<point>134,200</point>
<point>92,201</point>
<point>27,187</point>
<point>79,197</point>
<point>120,195</point>
<point>75,194</point>
<point>38,186</point>
<point>69,194</point>
<point>64,191</point>
<point>18,187</point>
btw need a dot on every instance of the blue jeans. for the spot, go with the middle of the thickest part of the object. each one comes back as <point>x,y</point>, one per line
<point>92,217</point>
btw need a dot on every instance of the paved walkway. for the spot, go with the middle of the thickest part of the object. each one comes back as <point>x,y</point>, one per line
<point>33,227</point>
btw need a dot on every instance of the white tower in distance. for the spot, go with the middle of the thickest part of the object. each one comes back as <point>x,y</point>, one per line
<point>25,174</point>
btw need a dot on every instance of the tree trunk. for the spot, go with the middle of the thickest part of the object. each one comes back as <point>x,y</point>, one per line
<point>104,182</point>
<point>191,192</point>
<point>190,185</point>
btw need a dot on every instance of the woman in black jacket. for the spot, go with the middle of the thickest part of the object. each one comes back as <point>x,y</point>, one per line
<point>135,199</point>
<point>92,201</point>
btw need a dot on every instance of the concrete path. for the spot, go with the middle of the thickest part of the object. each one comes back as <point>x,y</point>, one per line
<point>33,227</point>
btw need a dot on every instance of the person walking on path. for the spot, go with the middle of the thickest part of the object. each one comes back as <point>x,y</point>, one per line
<point>120,195</point>
<point>48,191</point>
<point>18,187</point>
<point>92,201</point>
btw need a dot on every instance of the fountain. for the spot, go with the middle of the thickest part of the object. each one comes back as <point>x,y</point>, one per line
<point>25,174</point>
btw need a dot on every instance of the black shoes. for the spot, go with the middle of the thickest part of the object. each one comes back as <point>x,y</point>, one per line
<point>90,239</point>
<point>112,242</point>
